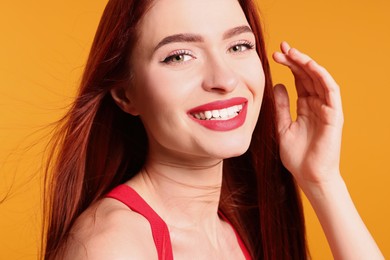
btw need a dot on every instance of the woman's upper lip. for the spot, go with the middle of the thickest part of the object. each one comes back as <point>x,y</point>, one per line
<point>219,104</point>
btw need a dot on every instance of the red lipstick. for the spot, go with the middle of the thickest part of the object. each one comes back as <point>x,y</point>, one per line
<point>233,114</point>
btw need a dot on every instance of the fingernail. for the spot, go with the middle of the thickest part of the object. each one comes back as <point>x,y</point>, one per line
<point>294,51</point>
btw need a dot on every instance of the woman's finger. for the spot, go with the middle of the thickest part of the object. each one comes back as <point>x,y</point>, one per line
<point>297,62</point>
<point>283,115</point>
<point>300,76</point>
<point>325,85</point>
<point>330,86</point>
<point>285,47</point>
<point>303,61</point>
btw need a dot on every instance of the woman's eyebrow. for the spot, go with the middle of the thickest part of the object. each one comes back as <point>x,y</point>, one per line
<point>181,37</point>
<point>188,37</point>
<point>236,31</point>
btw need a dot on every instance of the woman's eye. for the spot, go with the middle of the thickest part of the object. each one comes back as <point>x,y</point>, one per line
<point>241,47</point>
<point>178,58</point>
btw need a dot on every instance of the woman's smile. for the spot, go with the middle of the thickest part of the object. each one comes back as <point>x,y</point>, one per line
<point>222,115</point>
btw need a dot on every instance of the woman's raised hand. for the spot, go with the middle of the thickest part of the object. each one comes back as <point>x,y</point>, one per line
<point>310,150</point>
<point>310,145</point>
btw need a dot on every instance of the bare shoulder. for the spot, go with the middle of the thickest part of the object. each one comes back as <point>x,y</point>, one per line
<point>110,230</point>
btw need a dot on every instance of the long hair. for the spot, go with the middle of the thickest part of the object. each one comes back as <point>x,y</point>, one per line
<point>97,146</point>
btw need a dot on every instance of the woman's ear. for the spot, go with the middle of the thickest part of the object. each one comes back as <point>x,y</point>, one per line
<point>122,99</point>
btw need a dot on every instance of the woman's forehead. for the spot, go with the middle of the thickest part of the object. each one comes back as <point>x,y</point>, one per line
<point>205,17</point>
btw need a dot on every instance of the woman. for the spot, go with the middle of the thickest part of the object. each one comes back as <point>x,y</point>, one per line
<point>177,105</point>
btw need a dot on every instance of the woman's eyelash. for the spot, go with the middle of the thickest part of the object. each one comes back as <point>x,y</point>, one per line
<point>181,56</point>
<point>178,57</point>
<point>241,46</point>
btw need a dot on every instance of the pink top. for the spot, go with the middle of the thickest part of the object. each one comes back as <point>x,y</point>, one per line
<point>160,232</point>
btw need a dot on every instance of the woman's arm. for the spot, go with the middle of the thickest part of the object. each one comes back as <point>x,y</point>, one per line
<point>310,150</point>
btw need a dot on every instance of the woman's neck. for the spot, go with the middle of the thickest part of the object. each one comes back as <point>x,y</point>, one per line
<point>185,195</point>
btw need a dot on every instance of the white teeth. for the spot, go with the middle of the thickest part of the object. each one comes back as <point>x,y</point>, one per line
<point>215,113</point>
<point>231,111</point>
<point>208,114</point>
<point>224,114</point>
<point>202,116</point>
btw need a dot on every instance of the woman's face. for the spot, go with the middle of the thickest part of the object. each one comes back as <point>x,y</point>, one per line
<point>198,81</point>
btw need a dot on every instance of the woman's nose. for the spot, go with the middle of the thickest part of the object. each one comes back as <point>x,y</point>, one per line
<point>219,77</point>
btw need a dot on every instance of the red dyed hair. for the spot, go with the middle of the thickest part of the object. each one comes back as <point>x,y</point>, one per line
<point>97,146</point>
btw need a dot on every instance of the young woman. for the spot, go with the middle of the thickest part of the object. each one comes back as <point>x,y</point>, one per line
<point>179,146</point>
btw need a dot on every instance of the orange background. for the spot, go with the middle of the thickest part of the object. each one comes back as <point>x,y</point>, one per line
<point>43,48</point>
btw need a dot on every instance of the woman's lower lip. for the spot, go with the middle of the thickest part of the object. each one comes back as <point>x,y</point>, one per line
<point>225,125</point>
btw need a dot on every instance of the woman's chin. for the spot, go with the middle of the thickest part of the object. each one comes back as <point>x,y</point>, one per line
<point>232,149</point>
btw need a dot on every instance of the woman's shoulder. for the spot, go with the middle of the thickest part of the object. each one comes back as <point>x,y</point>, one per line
<point>110,230</point>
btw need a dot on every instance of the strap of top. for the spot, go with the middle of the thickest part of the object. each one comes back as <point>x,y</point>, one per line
<point>240,242</point>
<point>160,232</point>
